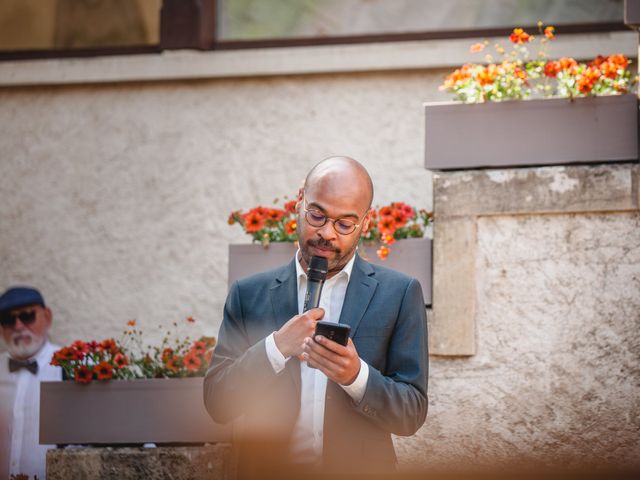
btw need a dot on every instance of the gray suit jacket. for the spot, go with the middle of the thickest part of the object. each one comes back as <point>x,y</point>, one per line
<point>386,312</point>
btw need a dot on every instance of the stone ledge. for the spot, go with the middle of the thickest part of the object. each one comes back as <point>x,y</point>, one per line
<point>566,189</point>
<point>175,463</point>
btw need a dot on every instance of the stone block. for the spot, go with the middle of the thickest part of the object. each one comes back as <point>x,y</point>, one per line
<point>175,463</point>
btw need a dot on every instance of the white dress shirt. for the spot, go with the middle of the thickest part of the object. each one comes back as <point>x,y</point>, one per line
<point>307,436</point>
<point>20,451</point>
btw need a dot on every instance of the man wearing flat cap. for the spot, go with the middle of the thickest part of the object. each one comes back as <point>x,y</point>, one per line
<point>25,321</point>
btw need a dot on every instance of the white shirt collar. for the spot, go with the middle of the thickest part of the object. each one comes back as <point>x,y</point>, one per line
<point>346,270</point>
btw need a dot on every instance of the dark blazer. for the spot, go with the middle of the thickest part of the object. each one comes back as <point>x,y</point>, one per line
<point>386,312</point>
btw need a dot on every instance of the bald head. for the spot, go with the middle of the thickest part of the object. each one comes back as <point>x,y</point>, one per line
<point>342,176</point>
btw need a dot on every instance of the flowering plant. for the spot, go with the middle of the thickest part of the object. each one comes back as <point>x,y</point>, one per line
<point>514,76</point>
<point>388,224</point>
<point>129,358</point>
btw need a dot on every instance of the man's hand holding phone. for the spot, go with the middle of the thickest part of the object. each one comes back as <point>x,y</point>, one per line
<point>339,363</point>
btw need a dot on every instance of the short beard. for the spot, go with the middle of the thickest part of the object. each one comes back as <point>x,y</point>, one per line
<point>20,349</point>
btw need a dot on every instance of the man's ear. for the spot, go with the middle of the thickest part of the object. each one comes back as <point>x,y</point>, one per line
<point>300,196</point>
<point>366,221</point>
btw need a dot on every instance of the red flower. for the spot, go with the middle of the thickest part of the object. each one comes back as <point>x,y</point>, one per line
<point>103,371</point>
<point>387,225</point>
<point>190,319</point>
<point>83,374</point>
<point>275,214</point>
<point>620,60</point>
<point>290,206</point>
<point>399,218</point>
<point>120,360</point>
<point>551,69</point>
<point>80,346</point>
<point>173,364</point>
<point>109,346</point>
<point>385,211</point>
<point>167,353</point>
<point>609,70</point>
<point>290,227</point>
<point>588,79</point>
<point>192,361</point>
<point>519,36</point>
<point>253,221</point>
<point>198,347</point>
<point>131,323</point>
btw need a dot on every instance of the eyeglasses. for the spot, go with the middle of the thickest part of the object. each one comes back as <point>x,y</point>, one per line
<point>9,320</point>
<point>317,219</point>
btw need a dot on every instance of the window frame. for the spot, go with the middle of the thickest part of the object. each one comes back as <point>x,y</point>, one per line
<point>191,24</point>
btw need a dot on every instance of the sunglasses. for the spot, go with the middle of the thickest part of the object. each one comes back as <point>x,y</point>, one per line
<point>9,320</point>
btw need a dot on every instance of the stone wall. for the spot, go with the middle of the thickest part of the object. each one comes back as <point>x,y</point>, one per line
<point>553,315</point>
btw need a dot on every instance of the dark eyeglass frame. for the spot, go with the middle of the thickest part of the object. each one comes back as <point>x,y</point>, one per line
<point>8,320</point>
<point>317,223</point>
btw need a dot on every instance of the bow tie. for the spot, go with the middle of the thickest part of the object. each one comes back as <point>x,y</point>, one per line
<point>15,365</point>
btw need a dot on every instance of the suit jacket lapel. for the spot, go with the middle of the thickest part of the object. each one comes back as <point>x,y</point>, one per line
<point>359,293</point>
<point>284,300</point>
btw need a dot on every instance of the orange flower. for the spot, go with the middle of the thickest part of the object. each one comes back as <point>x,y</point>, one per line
<point>476,47</point>
<point>192,361</point>
<point>83,374</point>
<point>80,346</point>
<point>588,79</point>
<point>275,214</point>
<point>519,36</point>
<point>232,218</point>
<point>198,347</point>
<point>487,75</point>
<point>109,346</point>
<point>190,319</point>
<point>382,252</point>
<point>399,218</point>
<point>551,69</point>
<point>620,60</point>
<point>385,211</point>
<point>599,60</point>
<point>253,222</point>
<point>173,364</point>
<point>387,225</point>
<point>167,354</point>
<point>290,206</point>
<point>120,360</point>
<point>103,371</point>
<point>290,227</point>
<point>408,211</point>
<point>568,64</point>
<point>549,32</point>
<point>459,75</point>
<point>388,239</point>
<point>520,73</point>
<point>131,323</point>
<point>609,70</point>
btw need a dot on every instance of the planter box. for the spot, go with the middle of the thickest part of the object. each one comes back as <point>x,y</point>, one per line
<point>411,256</point>
<point>531,132</point>
<point>160,410</point>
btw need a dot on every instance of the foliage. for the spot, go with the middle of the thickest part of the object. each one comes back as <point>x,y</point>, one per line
<point>388,224</point>
<point>130,358</point>
<point>515,76</point>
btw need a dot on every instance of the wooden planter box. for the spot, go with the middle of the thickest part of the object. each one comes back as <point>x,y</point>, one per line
<point>161,411</point>
<point>411,256</point>
<point>531,132</point>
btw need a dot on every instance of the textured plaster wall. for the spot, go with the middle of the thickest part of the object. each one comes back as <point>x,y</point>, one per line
<point>115,197</point>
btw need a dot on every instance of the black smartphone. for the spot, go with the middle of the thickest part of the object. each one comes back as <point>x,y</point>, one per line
<point>337,332</point>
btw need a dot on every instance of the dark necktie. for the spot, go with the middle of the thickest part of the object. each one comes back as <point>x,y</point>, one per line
<point>15,365</point>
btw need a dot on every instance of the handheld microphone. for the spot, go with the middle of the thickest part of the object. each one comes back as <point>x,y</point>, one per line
<point>316,275</point>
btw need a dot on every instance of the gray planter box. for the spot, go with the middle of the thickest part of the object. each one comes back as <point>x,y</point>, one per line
<point>411,256</point>
<point>532,132</point>
<point>159,410</point>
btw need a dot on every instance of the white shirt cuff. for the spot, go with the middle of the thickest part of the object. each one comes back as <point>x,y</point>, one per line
<point>359,386</point>
<point>278,361</point>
